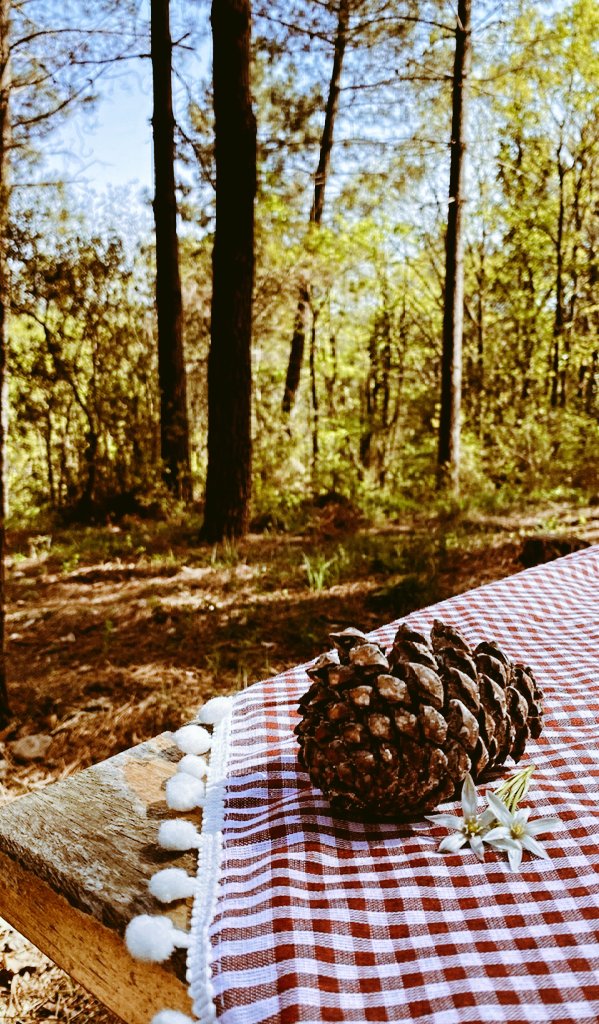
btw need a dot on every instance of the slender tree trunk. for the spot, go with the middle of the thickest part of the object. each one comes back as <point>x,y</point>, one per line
<point>560,316</point>
<point>4,301</point>
<point>314,396</point>
<point>296,355</point>
<point>572,311</point>
<point>591,388</point>
<point>453,313</point>
<point>228,484</point>
<point>480,332</point>
<point>49,445</point>
<point>174,426</point>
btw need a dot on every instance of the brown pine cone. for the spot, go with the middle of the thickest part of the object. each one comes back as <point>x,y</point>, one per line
<point>385,735</point>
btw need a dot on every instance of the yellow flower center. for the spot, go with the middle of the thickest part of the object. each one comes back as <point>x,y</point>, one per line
<point>471,826</point>
<point>518,830</point>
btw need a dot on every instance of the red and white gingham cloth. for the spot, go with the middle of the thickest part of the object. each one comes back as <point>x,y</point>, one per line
<point>324,919</point>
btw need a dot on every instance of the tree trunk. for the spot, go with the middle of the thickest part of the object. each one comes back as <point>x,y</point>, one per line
<point>174,426</point>
<point>480,333</point>
<point>560,316</point>
<point>453,312</point>
<point>314,396</point>
<point>296,356</point>
<point>228,483</point>
<point>49,445</point>
<point>4,301</point>
<point>298,341</point>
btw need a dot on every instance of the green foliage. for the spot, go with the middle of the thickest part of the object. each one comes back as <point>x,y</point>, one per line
<point>318,570</point>
<point>84,401</point>
<point>83,369</point>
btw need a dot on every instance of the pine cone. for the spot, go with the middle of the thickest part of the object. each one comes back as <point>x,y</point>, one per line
<point>388,735</point>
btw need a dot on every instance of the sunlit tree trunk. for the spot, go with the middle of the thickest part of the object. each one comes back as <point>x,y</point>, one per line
<point>174,427</point>
<point>453,312</point>
<point>314,397</point>
<point>228,483</point>
<point>298,341</point>
<point>4,301</point>
<point>557,373</point>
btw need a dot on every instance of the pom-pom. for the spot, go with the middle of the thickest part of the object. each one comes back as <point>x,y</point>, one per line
<point>171,884</point>
<point>153,939</point>
<point>178,835</point>
<point>192,739</point>
<point>184,793</point>
<point>172,1017</point>
<point>191,764</point>
<point>214,710</point>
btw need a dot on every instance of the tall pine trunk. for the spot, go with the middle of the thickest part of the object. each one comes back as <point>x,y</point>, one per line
<point>453,311</point>
<point>4,302</point>
<point>559,375</point>
<point>174,426</point>
<point>228,483</point>
<point>298,341</point>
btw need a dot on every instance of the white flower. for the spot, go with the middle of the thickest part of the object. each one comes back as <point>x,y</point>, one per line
<point>471,828</point>
<point>515,833</point>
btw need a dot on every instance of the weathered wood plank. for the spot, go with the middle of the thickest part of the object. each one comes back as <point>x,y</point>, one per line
<point>75,860</point>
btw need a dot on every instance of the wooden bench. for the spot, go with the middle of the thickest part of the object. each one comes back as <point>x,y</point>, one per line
<point>75,860</point>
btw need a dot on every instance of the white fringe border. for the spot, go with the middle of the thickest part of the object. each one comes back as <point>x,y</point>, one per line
<point>210,851</point>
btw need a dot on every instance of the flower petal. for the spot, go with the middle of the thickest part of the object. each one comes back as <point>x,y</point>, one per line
<point>534,846</point>
<point>487,818</point>
<point>452,821</point>
<point>499,809</point>
<point>500,832</point>
<point>476,845</point>
<point>513,848</point>
<point>514,855</point>
<point>453,843</point>
<point>538,825</point>
<point>469,798</point>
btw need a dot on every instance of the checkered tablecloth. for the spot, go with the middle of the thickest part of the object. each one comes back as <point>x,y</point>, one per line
<point>323,919</point>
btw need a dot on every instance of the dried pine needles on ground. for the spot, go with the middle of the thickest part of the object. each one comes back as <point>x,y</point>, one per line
<point>33,990</point>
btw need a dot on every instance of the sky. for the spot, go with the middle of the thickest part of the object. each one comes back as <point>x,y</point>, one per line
<point>111,146</point>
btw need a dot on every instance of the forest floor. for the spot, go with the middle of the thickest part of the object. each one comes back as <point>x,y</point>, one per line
<point>120,632</point>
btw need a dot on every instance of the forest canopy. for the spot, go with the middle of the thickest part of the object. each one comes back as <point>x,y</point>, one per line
<point>353,107</point>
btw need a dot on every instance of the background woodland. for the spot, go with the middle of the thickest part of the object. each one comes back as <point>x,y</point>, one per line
<point>349,261</point>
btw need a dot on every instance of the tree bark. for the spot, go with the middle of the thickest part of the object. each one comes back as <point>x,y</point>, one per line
<point>453,312</point>
<point>296,355</point>
<point>480,332</point>
<point>314,397</point>
<point>298,341</point>
<point>174,425</point>
<point>4,303</point>
<point>558,373</point>
<point>228,483</point>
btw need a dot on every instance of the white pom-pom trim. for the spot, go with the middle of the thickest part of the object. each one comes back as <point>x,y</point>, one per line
<point>172,1017</point>
<point>154,939</point>
<point>171,884</point>
<point>178,835</point>
<point>184,793</point>
<point>192,739</point>
<point>191,764</point>
<point>214,710</point>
